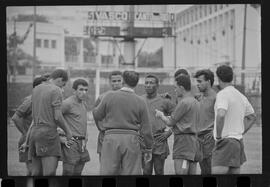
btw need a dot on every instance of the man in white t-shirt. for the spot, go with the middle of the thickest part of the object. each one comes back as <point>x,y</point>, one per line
<point>234,116</point>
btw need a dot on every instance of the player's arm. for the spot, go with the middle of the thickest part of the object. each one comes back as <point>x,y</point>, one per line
<point>146,132</point>
<point>22,110</point>
<point>18,121</point>
<point>220,119</point>
<point>95,105</point>
<point>25,144</point>
<point>99,112</point>
<point>222,106</point>
<point>176,116</point>
<point>250,117</point>
<point>57,110</point>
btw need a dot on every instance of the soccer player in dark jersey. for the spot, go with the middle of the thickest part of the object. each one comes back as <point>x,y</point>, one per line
<point>44,142</point>
<point>22,119</point>
<point>160,133</point>
<point>186,152</point>
<point>74,110</point>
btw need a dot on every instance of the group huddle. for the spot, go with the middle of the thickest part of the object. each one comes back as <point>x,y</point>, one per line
<point>208,127</point>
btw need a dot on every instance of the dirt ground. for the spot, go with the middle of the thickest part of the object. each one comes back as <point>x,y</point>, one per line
<point>252,142</point>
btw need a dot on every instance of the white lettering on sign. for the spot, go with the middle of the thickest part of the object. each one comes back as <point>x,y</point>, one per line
<point>124,16</point>
<point>103,15</point>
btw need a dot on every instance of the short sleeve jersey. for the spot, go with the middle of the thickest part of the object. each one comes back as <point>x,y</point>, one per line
<point>186,116</point>
<point>46,98</point>
<point>24,111</point>
<point>237,107</point>
<point>207,112</point>
<point>159,103</point>
<point>75,114</point>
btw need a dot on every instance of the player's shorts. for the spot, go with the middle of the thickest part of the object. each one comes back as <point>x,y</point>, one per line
<point>74,154</point>
<point>229,152</point>
<point>187,147</point>
<point>101,135</point>
<point>23,156</point>
<point>44,141</point>
<point>207,143</point>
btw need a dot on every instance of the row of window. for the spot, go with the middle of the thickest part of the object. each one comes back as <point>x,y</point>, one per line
<point>197,12</point>
<point>46,43</point>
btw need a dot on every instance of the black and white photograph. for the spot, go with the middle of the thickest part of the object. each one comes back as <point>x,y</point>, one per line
<point>172,89</point>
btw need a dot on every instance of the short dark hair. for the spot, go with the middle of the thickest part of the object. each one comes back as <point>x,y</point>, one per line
<point>131,78</point>
<point>225,73</point>
<point>59,73</point>
<point>78,82</point>
<point>184,80</point>
<point>153,76</point>
<point>115,73</point>
<point>208,75</point>
<point>180,71</point>
<point>46,75</point>
<point>38,80</point>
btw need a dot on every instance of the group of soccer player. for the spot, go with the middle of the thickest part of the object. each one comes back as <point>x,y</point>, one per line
<point>208,126</point>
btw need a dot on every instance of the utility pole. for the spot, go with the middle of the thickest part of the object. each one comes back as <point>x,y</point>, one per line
<point>34,44</point>
<point>244,49</point>
<point>15,53</point>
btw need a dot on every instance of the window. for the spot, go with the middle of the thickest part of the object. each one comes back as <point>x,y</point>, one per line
<point>215,8</point>
<point>210,9</point>
<point>201,12</point>
<point>53,44</point>
<point>46,43</point>
<point>38,42</point>
<point>205,10</point>
<point>221,6</point>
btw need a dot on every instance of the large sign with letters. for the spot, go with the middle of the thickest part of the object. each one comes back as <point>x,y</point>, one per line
<point>101,31</point>
<point>126,16</point>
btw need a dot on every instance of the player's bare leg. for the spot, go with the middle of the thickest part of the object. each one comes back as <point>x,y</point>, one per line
<point>36,166</point>
<point>49,165</point>
<point>220,170</point>
<point>181,166</point>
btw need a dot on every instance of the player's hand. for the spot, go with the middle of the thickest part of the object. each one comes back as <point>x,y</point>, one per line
<point>159,114</point>
<point>147,157</point>
<point>23,147</point>
<point>69,142</point>
<point>166,95</point>
<point>163,136</point>
<point>83,145</point>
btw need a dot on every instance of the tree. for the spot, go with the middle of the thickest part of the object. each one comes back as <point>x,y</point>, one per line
<point>151,59</point>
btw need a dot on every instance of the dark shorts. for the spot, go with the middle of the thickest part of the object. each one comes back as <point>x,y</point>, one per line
<point>229,152</point>
<point>74,154</point>
<point>207,143</point>
<point>23,156</point>
<point>101,135</point>
<point>186,146</point>
<point>44,141</point>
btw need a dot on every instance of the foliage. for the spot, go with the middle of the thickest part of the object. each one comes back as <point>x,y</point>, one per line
<point>151,59</point>
<point>30,17</point>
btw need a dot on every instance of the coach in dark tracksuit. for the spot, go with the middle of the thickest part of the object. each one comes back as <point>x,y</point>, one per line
<point>124,113</point>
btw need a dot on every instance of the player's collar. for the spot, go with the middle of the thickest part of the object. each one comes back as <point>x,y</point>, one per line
<point>126,89</point>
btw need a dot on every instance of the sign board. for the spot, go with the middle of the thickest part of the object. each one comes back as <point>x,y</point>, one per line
<point>126,16</point>
<point>101,31</point>
<point>142,32</point>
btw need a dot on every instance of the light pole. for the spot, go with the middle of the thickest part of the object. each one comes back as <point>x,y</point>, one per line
<point>34,44</point>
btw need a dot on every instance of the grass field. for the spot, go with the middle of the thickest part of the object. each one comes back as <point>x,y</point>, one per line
<point>252,142</point>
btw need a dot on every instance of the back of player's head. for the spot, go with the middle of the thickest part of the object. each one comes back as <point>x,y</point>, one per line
<point>38,80</point>
<point>208,75</point>
<point>131,78</point>
<point>183,80</point>
<point>46,75</point>
<point>113,73</point>
<point>59,73</point>
<point>181,71</point>
<point>78,82</point>
<point>153,76</point>
<point>225,73</point>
